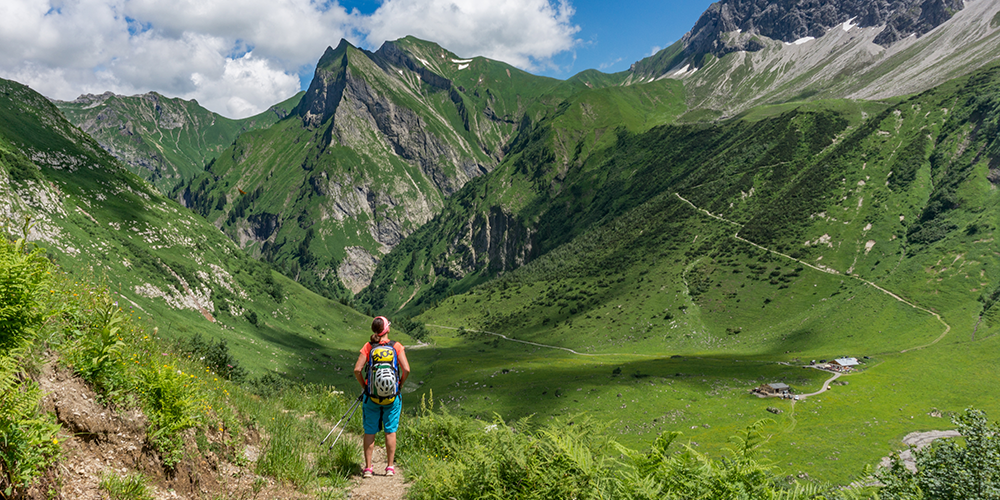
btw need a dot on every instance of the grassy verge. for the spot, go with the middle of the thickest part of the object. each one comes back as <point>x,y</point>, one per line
<point>48,317</point>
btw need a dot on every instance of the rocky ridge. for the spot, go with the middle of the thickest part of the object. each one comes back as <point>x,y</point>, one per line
<point>162,139</point>
<point>744,67</point>
<point>788,21</point>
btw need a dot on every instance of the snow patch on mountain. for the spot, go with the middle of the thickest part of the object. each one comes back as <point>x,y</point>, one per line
<point>686,70</point>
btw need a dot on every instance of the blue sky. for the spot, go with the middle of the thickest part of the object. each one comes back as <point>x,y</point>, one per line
<point>615,35</point>
<point>238,57</point>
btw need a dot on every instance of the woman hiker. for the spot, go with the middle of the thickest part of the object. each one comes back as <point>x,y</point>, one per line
<point>383,403</point>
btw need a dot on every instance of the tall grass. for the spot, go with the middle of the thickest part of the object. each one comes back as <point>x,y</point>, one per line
<point>125,487</point>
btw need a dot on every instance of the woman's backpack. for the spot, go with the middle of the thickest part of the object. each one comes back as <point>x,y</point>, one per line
<point>382,374</point>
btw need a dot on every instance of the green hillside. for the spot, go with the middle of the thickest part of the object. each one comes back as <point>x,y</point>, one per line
<point>694,262</point>
<point>502,220</point>
<point>163,140</point>
<point>100,222</point>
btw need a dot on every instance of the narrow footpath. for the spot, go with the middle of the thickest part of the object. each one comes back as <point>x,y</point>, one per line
<point>379,487</point>
<point>828,270</point>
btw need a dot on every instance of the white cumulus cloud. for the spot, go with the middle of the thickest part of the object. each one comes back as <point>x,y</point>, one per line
<point>238,57</point>
<point>525,33</point>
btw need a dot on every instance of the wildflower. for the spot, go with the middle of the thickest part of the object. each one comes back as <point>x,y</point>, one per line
<point>55,441</point>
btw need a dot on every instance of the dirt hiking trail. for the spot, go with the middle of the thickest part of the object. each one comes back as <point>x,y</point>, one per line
<point>379,487</point>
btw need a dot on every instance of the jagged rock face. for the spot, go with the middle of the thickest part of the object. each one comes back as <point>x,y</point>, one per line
<point>499,239</point>
<point>790,20</point>
<point>260,227</point>
<point>354,201</point>
<point>325,91</point>
<point>357,269</point>
<point>407,135</point>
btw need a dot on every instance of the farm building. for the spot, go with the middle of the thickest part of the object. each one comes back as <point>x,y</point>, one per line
<point>845,362</point>
<point>774,389</point>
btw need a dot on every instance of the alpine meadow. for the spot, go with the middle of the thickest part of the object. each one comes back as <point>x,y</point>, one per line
<point>763,262</point>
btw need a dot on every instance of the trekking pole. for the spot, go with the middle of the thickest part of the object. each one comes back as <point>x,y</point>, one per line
<point>349,411</point>
<point>334,443</point>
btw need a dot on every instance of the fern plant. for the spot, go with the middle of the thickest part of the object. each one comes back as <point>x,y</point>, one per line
<point>28,441</point>
<point>171,405</point>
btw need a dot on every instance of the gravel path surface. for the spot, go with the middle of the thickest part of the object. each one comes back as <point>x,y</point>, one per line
<point>379,487</point>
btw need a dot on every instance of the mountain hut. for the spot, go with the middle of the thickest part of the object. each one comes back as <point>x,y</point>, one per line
<point>845,362</point>
<point>774,389</point>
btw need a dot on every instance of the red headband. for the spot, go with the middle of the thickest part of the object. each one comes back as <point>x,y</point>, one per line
<point>385,326</point>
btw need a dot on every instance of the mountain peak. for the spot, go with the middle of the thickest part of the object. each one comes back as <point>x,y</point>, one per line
<point>331,55</point>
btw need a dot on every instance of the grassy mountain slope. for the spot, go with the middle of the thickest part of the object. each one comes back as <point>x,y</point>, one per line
<point>488,226</point>
<point>164,140</point>
<point>836,228</point>
<point>102,222</point>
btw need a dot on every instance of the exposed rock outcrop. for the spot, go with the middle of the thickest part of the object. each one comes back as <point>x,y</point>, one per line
<point>357,269</point>
<point>498,239</point>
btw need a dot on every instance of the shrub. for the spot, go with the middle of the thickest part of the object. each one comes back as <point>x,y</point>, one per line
<point>949,469</point>
<point>99,359</point>
<point>215,356</point>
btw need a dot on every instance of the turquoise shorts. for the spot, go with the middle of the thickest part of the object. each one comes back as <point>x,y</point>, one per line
<point>378,417</point>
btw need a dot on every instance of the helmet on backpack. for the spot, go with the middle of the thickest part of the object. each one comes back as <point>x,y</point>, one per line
<point>385,382</point>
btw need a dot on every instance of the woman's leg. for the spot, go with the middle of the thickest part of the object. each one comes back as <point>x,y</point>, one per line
<point>390,449</point>
<point>370,448</point>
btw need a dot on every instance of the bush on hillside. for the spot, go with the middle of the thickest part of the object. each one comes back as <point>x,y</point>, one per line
<point>950,469</point>
<point>216,357</point>
<point>412,328</point>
